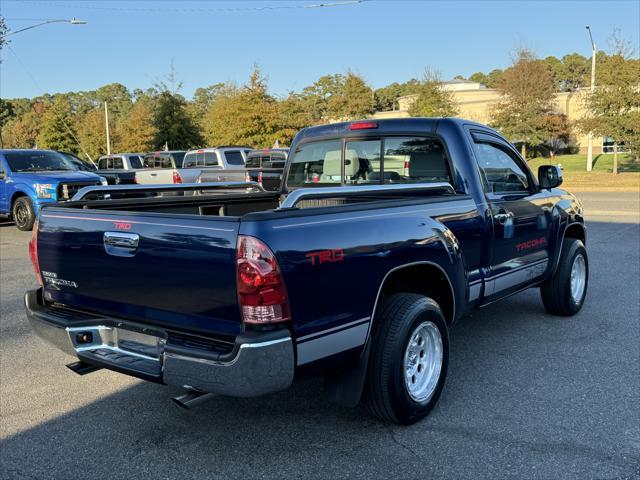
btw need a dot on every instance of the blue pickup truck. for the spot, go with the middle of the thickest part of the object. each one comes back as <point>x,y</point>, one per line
<point>30,179</point>
<point>383,235</point>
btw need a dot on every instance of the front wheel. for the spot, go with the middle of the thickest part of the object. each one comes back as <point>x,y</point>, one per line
<point>23,214</point>
<point>409,359</point>
<point>565,291</point>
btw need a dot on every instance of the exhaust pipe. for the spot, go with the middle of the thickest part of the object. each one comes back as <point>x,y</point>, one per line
<point>82,368</point>
<point>191,398</point>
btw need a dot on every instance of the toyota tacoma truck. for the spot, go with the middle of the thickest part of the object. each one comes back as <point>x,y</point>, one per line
<point>384,234</point>
<point>30,179</point>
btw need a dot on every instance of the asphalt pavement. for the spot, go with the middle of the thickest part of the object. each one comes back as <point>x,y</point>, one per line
<point>528,395</point>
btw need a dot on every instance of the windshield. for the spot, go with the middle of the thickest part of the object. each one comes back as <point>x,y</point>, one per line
<point>37,161</point>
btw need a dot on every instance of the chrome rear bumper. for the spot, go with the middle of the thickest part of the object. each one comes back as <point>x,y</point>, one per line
<point>257,364</point>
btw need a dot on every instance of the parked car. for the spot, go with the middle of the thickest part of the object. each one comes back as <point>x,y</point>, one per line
<point>350,276</point>
<point>120,168</point>
<point>267,166</point>
<point>30,179</point>
<point>187,170</point>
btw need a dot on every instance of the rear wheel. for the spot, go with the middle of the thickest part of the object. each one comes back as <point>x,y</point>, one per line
<point>23,214</point>
<point>409,359</point>
<point>564,292</point>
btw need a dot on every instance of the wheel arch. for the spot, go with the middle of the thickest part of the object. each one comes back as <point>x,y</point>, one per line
<point>402,279</point>
<point>576,230</point>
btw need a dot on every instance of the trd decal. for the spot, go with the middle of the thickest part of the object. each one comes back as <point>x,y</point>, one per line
<point>531,244</point>
<point>125,226</point>
<point>325,256</point>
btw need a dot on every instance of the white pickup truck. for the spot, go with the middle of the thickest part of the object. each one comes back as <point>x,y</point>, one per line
<point>186,167</point>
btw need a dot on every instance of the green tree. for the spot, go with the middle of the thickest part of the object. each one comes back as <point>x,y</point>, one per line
<point>614,106</point>
<point>317,96</point>
<point>386,98</point>
<point>528,94</point>
<point>490,80</point>
<point>3,31</point>
<point>243,116</point>
<point>22,132</point>
<point>136,131</point>
<point>202,99</point>
<point>6,114</point>
<point>92,133</point>
<point>56,132</point>
<point>354,100</point>
<point>433,100</point>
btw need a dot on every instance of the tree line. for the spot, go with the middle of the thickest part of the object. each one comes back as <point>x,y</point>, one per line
<point>247,114</point>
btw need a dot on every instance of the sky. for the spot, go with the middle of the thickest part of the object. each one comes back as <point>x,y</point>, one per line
<point>134,42</point>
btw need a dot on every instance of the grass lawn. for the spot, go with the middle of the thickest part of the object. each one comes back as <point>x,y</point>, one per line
<point>601,177</point>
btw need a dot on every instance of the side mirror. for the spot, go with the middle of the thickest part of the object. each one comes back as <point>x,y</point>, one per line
<point>549,176</point>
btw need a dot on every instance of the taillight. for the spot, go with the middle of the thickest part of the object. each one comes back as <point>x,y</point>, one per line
<point>135,178</point>
<point>406,169</point>
<point>261,291</point>
<point>247,177</point>
<point>33,252</point>
<point>260,178</point>
<point>176,177</point>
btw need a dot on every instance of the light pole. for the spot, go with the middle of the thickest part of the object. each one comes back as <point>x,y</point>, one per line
<point>593,87</point>
<point>73,21</point>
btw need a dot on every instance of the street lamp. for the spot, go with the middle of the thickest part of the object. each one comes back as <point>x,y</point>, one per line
<point>73,21</point>
<point>593,86</point>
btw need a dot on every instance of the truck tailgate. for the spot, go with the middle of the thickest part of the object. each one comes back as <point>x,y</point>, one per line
<point>173,271</point>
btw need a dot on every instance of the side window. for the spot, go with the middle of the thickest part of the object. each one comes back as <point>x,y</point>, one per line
<point>315,163</point>
<point>117,163</point>
<point>253,161</point>
<point>234,157</point>
<point>148,162</point>
<point>502,172</point>
<point>190,160</point>
<point>210,159</point>
<point>165,162</point>
<point>415,160</point>
<point>277,160</point>
<point>135,161</point>
<point>102,164</point>
<point>362,162</point>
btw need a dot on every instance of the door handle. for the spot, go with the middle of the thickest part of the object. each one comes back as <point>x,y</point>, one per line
<point>121,244</point>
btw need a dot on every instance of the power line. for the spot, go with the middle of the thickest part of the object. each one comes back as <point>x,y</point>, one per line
<point>197,9</point>
<point>35,82</point>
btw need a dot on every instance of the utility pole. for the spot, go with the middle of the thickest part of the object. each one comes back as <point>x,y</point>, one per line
<point>106,123</point>
<point>593,87</point>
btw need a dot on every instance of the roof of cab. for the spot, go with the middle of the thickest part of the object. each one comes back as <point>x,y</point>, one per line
<point>387,125</point>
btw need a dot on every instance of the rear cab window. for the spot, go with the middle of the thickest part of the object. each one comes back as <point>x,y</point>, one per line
<point>373,161</point>
<point>200,159</point>
<point>234,157</point>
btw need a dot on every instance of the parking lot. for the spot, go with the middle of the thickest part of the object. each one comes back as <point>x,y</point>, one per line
<point>528,395</point>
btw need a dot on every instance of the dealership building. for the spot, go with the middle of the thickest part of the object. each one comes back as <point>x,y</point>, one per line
<point>475,102</point>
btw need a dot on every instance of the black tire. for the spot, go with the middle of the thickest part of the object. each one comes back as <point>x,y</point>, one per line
<point>386,395</point>
<point>556,290</point>
<point>22,214</point>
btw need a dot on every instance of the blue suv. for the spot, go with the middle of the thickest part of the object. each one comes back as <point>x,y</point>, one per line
<point>32,178</point>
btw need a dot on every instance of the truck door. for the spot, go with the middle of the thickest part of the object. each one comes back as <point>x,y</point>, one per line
<point>521,216</point>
